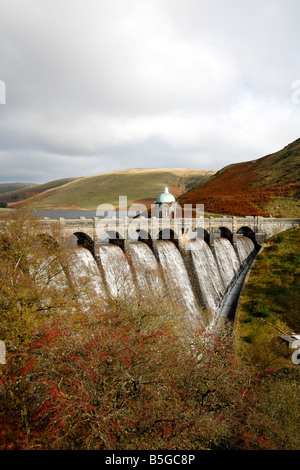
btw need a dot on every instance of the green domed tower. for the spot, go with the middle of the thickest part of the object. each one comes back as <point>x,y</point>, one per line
<point>165,196</point>
<point>165,204</point>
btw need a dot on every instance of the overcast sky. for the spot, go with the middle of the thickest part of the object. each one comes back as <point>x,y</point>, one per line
<point>100,85</point>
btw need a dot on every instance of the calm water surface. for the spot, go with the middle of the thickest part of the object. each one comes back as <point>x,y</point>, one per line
<point>56,214</point>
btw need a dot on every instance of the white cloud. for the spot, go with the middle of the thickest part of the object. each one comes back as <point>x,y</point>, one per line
<point>94,85</point>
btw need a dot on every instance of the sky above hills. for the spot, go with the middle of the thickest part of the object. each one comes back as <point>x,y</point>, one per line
<point>98,85</point>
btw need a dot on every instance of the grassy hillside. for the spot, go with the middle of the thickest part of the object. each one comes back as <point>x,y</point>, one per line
<point>15,195</point>
<point>268,185</point>
<point>271,296</point>
<point>139,185</point>
<point>9,187</point>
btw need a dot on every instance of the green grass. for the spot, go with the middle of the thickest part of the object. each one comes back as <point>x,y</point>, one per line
<point>272,293</point>
<point>287,207</point>
<point>137,184</point>
<point>280,166</point>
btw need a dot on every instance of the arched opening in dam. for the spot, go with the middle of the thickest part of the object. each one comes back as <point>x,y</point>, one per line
<point>141,235</point>
<point>224,232</point>
<point>168,234</point>
<point>83,240</point>
<point>112,237</point>
<point>247,232</point>
<point>199,233</point>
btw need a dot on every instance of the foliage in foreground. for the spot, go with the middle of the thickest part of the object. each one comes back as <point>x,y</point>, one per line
<point>123,376</point>
<point>118,382</point>
<point>114,385</point>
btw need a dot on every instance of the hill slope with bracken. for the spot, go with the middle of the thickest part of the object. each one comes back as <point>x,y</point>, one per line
<point>268,185</point>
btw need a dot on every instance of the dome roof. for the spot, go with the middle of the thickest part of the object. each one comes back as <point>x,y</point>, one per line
<point>165,196</point>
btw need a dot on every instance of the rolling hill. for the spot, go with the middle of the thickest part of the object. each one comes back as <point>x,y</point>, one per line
<point>10,187</point>
<point>263,187</point>
<point>19,193</point>
<point>139,185</point>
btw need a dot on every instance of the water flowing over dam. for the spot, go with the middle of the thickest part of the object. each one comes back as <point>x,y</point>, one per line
<point>197,279</point>
<point>200,265</point>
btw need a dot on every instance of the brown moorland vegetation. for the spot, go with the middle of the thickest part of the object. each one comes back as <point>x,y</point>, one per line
<point>247,188</point>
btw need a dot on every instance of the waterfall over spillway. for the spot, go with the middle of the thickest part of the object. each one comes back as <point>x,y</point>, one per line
<point>117,272</point>
<point>208,275</point>
<point>200,281</point>
<point>245,246</point>
<point>227,260</point>
<point>146,269</point>
<point>176,277</point>
<point>83,267</point>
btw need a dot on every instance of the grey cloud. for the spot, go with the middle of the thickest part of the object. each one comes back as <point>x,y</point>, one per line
<point>97,85</point>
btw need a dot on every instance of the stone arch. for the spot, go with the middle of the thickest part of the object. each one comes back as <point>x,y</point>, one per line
<point>139,225</point>
<point>112,236</point>
<point>168,234</point>
<point>200,233</point>
<point>84,240</point>
<point>246,232</point>
<point>225,233</point>
<point>141,235</point>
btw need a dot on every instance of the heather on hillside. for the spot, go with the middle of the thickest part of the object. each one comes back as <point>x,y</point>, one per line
<point>248,188</point>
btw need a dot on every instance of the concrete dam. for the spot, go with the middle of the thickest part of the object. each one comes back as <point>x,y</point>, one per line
<point>198,263</point>
<point>197,282</point>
